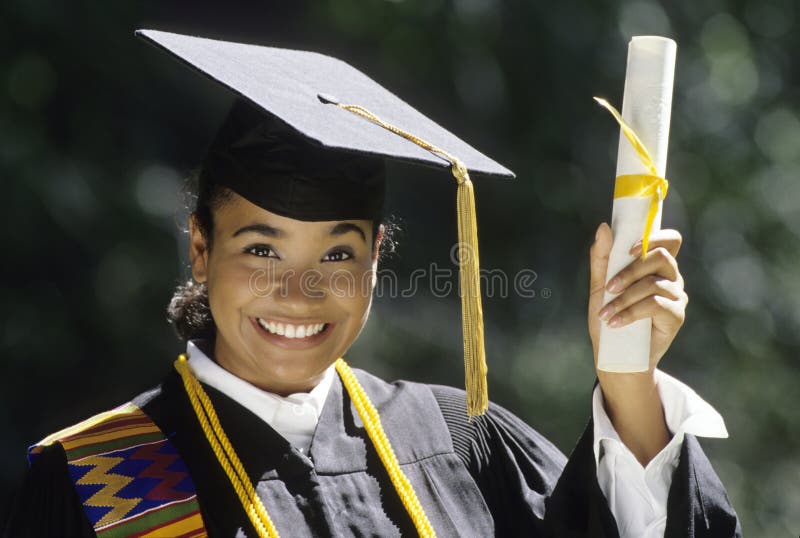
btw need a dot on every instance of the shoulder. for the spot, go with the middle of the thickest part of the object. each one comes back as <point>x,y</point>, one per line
<point>497,430</point>
<point>497,422</point>
<point>410,408</point>
<point>399,396</point>
<point>101,431</point>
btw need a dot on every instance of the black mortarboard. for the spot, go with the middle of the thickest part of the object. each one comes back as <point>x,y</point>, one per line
<point>268,162</point>
<point>306,138</point>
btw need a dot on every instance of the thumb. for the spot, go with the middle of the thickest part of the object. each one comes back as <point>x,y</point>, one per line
<point>598,263</point>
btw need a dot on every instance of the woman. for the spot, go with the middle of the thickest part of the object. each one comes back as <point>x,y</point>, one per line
<point>264,430</point>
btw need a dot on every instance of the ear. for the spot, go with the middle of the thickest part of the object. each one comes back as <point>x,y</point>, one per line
<point>198,251</point>
<point>376,248</point>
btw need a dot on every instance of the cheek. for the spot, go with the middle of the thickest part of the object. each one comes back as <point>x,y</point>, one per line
<point>357,312</point>
<point>229,287</point>
<point>352,291</point>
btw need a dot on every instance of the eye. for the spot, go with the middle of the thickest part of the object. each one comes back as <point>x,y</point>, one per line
<point>338,255</point>
<point>262,251</point>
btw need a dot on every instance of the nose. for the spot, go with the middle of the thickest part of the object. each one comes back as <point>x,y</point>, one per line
<point>298,291</point>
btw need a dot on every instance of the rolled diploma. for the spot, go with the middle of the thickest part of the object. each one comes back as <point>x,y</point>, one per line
<point>646,106</point>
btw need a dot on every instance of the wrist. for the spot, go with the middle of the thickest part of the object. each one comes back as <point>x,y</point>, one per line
<point>633,404</point>
<point>628,384</point>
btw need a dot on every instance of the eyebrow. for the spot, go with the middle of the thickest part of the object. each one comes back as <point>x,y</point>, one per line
<point>263,229</point>
<point>345,227</point>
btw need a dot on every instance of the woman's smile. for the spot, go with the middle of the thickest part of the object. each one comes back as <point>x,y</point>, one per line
<point>300,334</point>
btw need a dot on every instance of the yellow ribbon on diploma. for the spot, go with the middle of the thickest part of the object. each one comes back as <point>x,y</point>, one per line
<point>639,185</point>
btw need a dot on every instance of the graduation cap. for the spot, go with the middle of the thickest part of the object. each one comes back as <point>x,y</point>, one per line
<point>307,138</point>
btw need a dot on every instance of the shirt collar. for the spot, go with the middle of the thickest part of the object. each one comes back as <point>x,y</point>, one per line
<point>295,416</point>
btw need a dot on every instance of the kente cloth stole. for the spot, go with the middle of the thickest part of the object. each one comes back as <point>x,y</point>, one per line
<point>129,476</point>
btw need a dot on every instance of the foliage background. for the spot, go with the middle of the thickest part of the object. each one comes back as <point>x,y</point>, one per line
<point>97,130</point>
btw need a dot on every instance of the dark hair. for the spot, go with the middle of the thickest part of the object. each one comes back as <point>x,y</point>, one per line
<point>189,311</point>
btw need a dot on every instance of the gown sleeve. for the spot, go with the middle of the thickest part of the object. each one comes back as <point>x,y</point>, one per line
<point>513,465</point>
<point>46,503</point>
<point>531,489</point>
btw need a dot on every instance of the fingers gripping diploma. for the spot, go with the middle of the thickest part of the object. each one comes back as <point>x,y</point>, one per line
<point>650,288</point>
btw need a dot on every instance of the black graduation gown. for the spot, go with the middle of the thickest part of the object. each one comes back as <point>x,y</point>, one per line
<point>494,476</point>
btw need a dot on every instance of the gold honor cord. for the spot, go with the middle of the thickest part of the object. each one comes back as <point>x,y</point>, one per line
<point>639,185</point>
<point>224,451</point>
<point>230,462</point>
<point>469,266</point>
<point>372,423</point>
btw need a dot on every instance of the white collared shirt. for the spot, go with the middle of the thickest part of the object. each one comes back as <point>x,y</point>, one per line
<point>637,496</point>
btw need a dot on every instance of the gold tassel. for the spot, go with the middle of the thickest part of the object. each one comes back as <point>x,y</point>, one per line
<point>469,267</point>
<point>471,310</point>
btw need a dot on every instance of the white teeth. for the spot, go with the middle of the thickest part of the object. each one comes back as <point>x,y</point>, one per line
<point>291,331</point>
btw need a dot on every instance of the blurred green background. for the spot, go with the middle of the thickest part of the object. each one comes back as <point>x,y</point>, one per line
<point>98,129</point>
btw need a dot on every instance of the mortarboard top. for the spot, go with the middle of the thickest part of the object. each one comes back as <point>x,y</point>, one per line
<point>333,107</point>
<point>292,85</point>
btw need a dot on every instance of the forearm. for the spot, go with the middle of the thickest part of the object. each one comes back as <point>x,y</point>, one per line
<point>634,406</point>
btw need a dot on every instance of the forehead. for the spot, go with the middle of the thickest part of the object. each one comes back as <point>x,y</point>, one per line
<point>237,212</point>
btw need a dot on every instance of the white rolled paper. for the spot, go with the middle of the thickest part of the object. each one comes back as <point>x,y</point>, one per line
<point>646,107</point>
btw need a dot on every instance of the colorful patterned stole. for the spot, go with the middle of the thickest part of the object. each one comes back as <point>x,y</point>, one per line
<point>128,475</point>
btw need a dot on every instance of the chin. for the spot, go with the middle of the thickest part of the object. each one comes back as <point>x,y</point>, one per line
<point>287,371</point>
<point>285,379</point>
